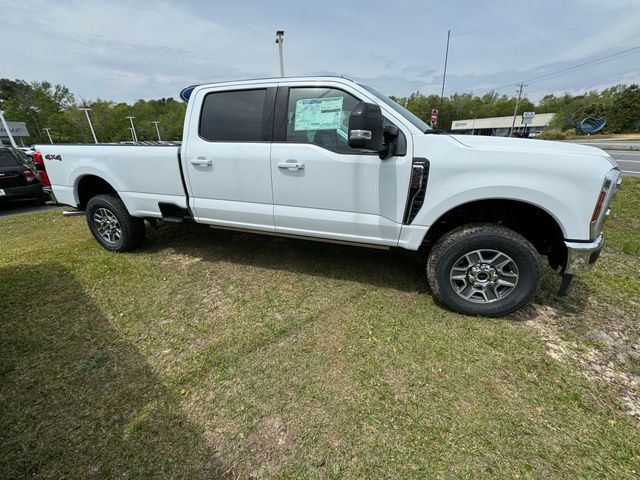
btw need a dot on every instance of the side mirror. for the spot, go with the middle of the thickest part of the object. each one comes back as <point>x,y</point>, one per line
<point>366,128</point>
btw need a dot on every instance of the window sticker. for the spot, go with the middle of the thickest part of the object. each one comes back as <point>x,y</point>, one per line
<point>318,114</point>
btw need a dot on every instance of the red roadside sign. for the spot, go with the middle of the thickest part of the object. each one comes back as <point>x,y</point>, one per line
<point>434,116</point>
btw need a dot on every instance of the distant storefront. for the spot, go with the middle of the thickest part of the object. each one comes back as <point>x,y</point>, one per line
<point>500,126</point>
<point>18,130</point>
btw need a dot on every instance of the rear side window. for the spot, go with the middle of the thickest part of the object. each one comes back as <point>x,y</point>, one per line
<point>7,159</point>
<point>233,116</point>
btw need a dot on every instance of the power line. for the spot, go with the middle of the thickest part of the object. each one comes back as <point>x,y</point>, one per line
<point>595,61</point>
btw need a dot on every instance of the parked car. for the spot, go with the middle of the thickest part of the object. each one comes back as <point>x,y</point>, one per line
<point>17,177</point>
<point>329,159</point>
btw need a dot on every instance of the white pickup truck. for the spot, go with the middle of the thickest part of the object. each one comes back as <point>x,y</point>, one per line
<point>329,159</point>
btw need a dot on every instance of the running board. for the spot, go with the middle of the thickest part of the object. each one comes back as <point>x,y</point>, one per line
<point>172,213</point>
<point>72,213</point>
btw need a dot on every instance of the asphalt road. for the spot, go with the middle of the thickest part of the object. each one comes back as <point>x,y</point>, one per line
<point>628,161</point>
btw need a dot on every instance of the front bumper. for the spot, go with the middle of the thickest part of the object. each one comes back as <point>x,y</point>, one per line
<point>581,255</point>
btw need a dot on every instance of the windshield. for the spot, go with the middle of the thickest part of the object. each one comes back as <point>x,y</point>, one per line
<point>400,109</point>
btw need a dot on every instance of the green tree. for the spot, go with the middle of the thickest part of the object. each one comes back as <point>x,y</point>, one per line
<point>625,111</point>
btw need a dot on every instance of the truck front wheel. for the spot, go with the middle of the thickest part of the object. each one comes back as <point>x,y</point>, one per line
<point>111,224</point>
<point>484,269</point>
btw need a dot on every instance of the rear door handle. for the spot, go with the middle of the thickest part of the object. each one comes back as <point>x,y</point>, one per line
<point>200,161</point>
<point>291,165</point>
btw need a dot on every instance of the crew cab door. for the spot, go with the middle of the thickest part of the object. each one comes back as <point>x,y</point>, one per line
<point>321,186</point>
<point>226,156</point>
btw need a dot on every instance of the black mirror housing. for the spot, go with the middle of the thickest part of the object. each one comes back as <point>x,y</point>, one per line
<point>366,127</point>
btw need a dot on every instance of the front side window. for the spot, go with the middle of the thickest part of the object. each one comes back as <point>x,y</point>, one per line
<point>233,116</point>
<point>320,116</point>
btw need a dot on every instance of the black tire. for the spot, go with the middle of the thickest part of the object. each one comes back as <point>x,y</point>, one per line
<point>129,231</point>
<point>449,255</point>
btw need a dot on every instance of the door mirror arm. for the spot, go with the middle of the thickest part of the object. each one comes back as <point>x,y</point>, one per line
<point>390,135</point>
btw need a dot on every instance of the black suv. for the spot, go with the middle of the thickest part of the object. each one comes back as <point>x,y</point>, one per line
<point>17,177</point>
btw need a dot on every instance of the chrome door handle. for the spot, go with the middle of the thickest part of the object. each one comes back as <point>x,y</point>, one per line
<point>201,161</point>
<point>291,165</point>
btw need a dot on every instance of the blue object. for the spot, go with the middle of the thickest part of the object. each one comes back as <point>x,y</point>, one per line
<point>186,93</point>
<point>592,124</point>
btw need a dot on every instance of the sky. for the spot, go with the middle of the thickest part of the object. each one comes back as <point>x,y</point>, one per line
<point>124,51</point>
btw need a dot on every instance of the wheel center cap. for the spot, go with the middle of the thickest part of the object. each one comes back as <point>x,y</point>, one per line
<point>482,275</point>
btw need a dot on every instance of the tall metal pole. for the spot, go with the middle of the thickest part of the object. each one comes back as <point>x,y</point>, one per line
<point>6,128</point>
<point>515,112</point>
<point>133,129</point>
<point>93,132</point>
<point>444,74</point>
<point>156,122</point>
<point>279,40</point>
<point>48,130</point>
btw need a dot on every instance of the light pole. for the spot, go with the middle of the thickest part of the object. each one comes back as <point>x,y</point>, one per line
<point>48,130</point>
<point>156,123</point>
<point>444,73</point>
<point>133,129</point>
<point>279,40</point>
<point>93,132</point>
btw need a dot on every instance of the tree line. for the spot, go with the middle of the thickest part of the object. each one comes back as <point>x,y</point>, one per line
<point>620,104</point>
<point>44,105</point>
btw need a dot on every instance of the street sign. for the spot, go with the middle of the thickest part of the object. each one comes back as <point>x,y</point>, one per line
<point>527,117</point>
<point>434,116</point>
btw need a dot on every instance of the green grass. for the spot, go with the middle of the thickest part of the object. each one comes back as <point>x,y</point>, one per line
<point>214,354</point>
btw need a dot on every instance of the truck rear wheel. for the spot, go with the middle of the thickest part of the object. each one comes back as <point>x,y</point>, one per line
<point>484,269</point>
<point>111,224</point>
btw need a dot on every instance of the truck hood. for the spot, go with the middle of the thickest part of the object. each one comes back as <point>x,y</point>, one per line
<point>522,145</point>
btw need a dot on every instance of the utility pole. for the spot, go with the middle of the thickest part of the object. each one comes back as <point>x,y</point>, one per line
<point>279,40</point>
<point>444,74</point>
<point>515,112</point>
<point>133,130</point>
<point>93,132</point>
<point>156,122</point>
<point>6,128</point>
<point>48,130</point>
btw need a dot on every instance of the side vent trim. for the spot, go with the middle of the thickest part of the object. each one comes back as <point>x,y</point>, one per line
<point>417,189</point>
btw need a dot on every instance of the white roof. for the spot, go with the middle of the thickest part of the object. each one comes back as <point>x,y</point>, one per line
<point>539,120</point>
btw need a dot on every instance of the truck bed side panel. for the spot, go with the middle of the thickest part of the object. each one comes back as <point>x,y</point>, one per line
<point>143,176</point>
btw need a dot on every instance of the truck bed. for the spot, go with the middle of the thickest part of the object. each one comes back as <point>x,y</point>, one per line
<point>143,175</point>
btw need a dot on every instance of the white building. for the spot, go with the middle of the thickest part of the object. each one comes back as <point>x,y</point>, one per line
<point>500,126</point>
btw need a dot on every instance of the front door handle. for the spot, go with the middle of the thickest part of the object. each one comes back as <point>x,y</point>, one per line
<point>201,161</point>
<point>291,165</point>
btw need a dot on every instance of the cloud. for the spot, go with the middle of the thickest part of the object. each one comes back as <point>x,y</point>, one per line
<point>123,50</point>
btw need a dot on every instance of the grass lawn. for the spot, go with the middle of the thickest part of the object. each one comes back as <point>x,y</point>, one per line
<point>211,354</point>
